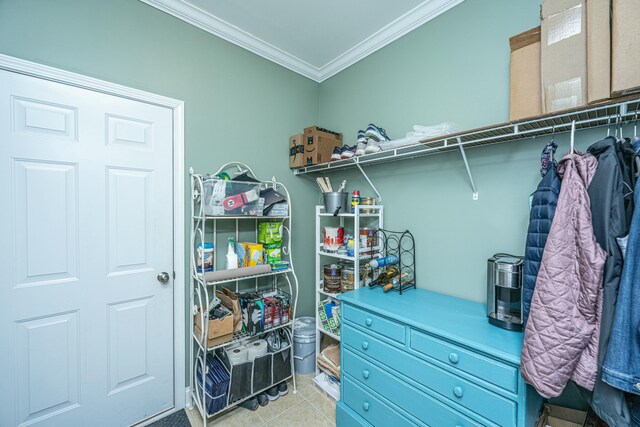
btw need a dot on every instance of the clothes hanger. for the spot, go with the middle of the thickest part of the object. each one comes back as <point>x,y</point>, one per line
<point>573,134</point>
<point>635,139</point>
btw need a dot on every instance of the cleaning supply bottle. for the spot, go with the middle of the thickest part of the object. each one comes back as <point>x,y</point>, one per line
<point>232,257</point>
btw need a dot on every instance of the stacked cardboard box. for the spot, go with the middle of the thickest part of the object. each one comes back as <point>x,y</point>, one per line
<point>563,54</point>
<point>625,42</point>
<point>585,54</point>
<point>524,100</point>
<point>312,147</point>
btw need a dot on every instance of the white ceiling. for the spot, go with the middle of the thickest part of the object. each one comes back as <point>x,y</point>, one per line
<point>314,38</point>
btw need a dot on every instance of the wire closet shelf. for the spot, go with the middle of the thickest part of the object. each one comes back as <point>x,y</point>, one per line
<point>613,114</point>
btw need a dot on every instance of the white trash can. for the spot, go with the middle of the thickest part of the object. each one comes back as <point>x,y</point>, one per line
<point>304,345</point>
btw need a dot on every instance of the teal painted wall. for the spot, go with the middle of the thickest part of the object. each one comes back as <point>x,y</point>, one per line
<point>241,107</point>
<point>238,106</point>
<point>454,68</point>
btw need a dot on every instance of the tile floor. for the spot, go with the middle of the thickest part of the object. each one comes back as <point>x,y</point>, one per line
<point>309,408</point>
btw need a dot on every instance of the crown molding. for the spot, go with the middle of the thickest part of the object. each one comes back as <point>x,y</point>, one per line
<point>204,20</point>
<point>408,22</point>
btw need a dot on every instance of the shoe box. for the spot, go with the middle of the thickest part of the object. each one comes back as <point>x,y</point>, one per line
<point>312,147</point>
<point>625,45</point>
<point>525,88</point>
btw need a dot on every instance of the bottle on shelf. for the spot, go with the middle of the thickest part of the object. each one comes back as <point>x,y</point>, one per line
<point>355,200</point>
<point>398,281</point>
<point>386,276</point>
<point>381,262</point>
<point>232,257</point>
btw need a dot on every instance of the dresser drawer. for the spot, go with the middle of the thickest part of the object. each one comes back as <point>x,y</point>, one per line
<point>420,405</point>
<point>483,402</point>
<point>490,370</point>
<point>345,417</point>
<point>374,322</point>
<point>372,409</point>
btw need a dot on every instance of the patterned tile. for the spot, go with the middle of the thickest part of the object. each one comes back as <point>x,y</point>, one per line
<point>279,406</point>
<point>236,417</point>
<point>305,385</point>
<point>303,414</point>
<point>325,404</point>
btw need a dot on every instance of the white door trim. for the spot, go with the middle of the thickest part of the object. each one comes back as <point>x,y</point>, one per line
<point>33,69</point>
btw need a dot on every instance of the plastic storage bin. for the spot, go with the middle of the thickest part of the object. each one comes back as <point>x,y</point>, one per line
<point>224,197</point>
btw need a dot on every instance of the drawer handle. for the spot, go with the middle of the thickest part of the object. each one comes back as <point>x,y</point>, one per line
<point>365,345</point>
<point>368,321</point>
<point>365,374</point>
<point>365,406</point>
<point>453,358</point>
<point>457,391</point>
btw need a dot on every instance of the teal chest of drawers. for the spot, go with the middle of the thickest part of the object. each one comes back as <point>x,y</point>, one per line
<point>427,359</point>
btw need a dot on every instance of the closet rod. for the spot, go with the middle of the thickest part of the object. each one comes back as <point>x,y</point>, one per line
<point>586,117</point>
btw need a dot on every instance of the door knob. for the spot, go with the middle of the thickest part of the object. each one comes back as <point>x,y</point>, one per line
<point>163,277</point>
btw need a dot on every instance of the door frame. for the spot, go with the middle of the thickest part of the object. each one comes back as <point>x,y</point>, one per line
<point>45,72</point>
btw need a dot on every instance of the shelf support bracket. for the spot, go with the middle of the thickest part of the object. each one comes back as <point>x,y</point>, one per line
<point>370,183</point>
<point>466,164</point>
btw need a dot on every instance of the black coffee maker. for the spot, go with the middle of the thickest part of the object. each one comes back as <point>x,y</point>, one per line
<point>504,291</point>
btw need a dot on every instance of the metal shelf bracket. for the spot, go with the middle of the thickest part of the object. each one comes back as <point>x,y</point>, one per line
<point>466,164</point>
<point>370,183</point>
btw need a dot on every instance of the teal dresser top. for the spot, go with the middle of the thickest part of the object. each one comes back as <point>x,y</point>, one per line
<point>459,320</point>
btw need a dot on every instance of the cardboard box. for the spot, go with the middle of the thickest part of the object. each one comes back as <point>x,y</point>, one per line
<point>563,54</point>
<point>598,50</point>
<point>557,416</point>
<point>319,144</point>
<point>296,151</point>
<point>220,330</point>
<point>625,42</point>
<point>525,88</point>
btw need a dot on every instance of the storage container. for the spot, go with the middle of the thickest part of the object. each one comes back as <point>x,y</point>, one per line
<point>228,197</point>
<point>304,345</point>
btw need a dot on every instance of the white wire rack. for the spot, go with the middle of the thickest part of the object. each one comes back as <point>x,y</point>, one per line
<point>613,113</point>
<point>202,291</point>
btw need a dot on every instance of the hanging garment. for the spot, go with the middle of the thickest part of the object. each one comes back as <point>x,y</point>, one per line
<point>622,361</point>
<point>611,209</point>
<point>561,335</point>
<point>543,208</point>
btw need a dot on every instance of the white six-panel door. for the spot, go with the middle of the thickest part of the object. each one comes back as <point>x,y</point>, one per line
<point>86,328</point>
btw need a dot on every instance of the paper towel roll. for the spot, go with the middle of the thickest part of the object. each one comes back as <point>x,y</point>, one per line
<point>256,349</point>
<point>237,355</point>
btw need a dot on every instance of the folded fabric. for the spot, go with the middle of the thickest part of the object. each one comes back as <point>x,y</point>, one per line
<point>401,142</point>
<point>437,130</point>
<point>332,354</point>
